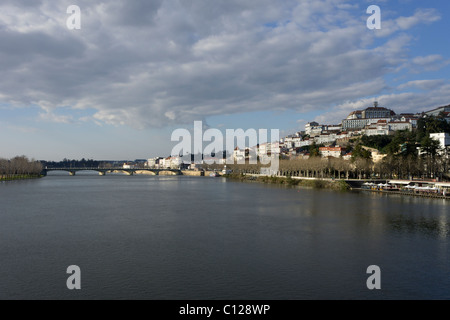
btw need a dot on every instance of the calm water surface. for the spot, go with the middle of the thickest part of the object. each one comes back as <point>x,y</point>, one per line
<point>145,237</point>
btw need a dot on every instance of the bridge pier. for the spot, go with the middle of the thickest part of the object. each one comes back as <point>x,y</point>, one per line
<point>72,173</point>
<point>101,173</point>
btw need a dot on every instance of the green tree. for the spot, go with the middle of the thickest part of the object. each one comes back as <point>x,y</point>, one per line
<point>429,146</point>
<point>314,150</point>
<point>428,125</point>
<point>360,152</point>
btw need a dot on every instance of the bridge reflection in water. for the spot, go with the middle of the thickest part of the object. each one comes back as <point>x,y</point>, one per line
<point>104,171</point>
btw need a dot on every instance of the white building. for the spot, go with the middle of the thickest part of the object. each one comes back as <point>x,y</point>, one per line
<point>128,165</point>
<point>400,125</point>
<point>380,128</point>
<point>436,112</point>
<point>170,163</point>
<point>443,138</point>
<point>313,128</point>
<point>153,163</point>
<point>292,142</point>
<point>306,142</point>
<point>325,138</point>
<point>335,152</point>
<point>266,151</point>
<point>384,127</point>
<point>444,141</point>
<point>361,118</point>
<point>238,155</point>
<point>409,117</point>
<point>175,162</point>
<point>333,127</point>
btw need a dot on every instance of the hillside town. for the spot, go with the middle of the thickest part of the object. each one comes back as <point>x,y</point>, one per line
<point>327,140</point>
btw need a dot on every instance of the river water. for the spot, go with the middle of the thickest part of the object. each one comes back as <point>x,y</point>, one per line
<point>161,237</point>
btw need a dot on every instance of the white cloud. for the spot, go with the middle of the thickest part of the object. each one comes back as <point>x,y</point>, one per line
<point>52,117</point>
<point>160,63</point>
<point>422,84</point>
<point>438,94</point>
<point>429,63</point>
<point>421,16</point>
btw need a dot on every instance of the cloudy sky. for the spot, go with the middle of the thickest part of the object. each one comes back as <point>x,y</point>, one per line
<point>138,69</point>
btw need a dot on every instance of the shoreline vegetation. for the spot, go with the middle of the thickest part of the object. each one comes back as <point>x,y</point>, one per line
<point>317,183</point>
<point>336,185</point>
<point>19,168</point>
<point>20,177</point>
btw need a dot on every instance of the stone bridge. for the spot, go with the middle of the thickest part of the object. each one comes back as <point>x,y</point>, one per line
<point>104,171</point>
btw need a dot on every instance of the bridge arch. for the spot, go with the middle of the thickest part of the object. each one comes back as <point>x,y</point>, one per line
<point>103,171</point>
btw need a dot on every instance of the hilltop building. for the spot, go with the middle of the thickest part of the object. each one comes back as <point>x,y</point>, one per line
<point>438,111</point>
<point>359,119</point>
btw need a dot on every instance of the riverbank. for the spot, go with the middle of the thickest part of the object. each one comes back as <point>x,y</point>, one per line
<point>19,177</point>
<point>407,193</point>
<point>337,185</point>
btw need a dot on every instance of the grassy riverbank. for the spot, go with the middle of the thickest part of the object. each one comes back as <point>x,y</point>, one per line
<point>19,177</point>
<point>338,185</point>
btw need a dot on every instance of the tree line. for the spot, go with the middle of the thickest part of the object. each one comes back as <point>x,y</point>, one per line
<point>19,167</point>
<point>68,163</point>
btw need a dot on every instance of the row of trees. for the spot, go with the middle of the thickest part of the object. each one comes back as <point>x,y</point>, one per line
<point>314,167</point>
<point>392,167</point>
<point>19,167</point>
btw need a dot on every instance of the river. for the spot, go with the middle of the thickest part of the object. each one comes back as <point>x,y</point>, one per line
<point>176,237</point>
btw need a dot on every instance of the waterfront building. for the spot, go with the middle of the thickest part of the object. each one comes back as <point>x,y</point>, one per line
<point>129,165</point>
<point>153,163</point>
<point>170,163</point>
<point>174,162</point>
